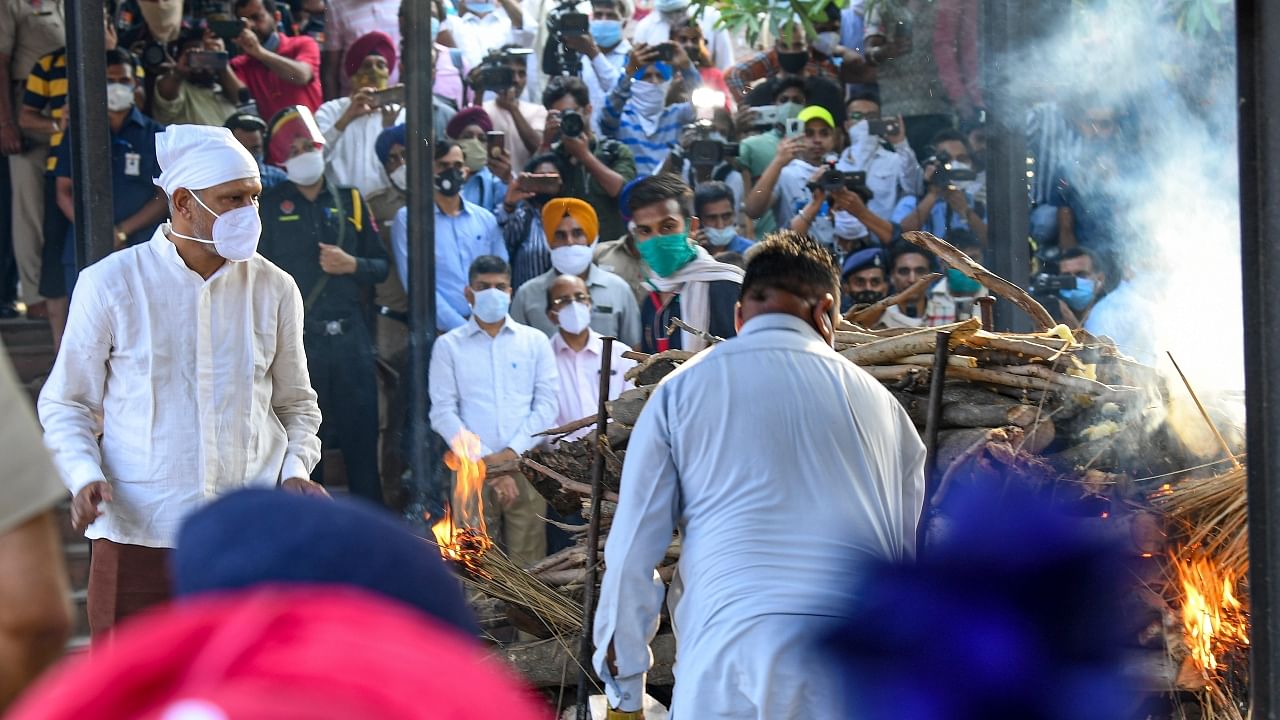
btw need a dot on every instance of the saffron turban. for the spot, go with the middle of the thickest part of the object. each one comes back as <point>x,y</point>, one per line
<point>556,210</point>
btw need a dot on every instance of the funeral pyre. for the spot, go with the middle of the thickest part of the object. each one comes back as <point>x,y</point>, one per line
<point>1112,441</point>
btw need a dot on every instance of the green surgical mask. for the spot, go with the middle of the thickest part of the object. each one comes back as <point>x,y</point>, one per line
<point>667,253</point>
<point>960,284</point>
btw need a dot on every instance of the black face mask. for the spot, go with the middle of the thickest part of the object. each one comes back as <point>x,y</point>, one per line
<point>866,297</point>
<point>449,182</point>
<point>793,62</point>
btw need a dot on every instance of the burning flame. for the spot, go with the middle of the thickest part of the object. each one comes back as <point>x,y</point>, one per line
<point>461,533</point>
<point>1214,620</point>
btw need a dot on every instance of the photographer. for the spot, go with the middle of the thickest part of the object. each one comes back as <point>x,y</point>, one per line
<point>638,113</point>
<point>689,35</point>
<point>950,202</point>
<point>1086,267</point>
<point>706,155</point>
<point>351,125</point>
<point>786,183</point>
<point>522,122</point>
<point>478,29</point>
<point>591,169</point>
<point>205,94</point>
<point>793,55</point>
<point>887,158</point>
<point>604,50</point>
<point>656,28</point>
<point>279,70</point>
<point>788,97</point>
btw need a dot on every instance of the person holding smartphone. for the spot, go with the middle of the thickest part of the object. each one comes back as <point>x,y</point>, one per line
<point>878,146</point>
<point>199,87</point>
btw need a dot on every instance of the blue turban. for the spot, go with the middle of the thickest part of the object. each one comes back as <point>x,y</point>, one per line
<point>664,68</point>
<point>394,135</point>
<point>272,537</point>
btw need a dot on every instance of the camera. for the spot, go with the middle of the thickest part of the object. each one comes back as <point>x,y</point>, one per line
<point>572,124</point>
<point>563,21</point>
<point>705,151</point>
<point>495,72</point>
<point>946,174</point>
<point>1048,284</point>
<point>832,179</point>
<point>153,55</point>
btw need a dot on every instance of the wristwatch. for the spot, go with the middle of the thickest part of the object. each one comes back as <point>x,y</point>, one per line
<point>121,236</point>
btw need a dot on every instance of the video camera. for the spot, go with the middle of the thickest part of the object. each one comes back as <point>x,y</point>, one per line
<point>564,21</point>
<point>833,179</point>
<point>703,151</point>
<point>495,72</point>
<point>1047,283</point>
<point>946,174</point>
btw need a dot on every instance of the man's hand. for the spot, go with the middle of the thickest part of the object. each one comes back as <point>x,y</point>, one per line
<point>508,101</point>
<point>680,58</point>
<point>84,506</point>
<point>641,55</point>
<point>336,261</point>
<point>213,43</point>
<point>504,455</point>
<point>500,164</point>
<point>789,148</point>
<point>10,139</point>
<point>551,130</point>
<point>746,117</point>
<point>576,147</point>
<point>900,136</point>
<point>956,199</point>
<point>249,43</point>
<point>506,488</point>
<point>584,44</point>
<point>303,486</point>
<point>848,201</point>
<point>515,194</point>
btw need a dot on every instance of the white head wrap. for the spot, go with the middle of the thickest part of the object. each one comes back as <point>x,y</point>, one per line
<point>201,156</point>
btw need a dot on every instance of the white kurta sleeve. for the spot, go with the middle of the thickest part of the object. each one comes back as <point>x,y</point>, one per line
<point>912,464</point>
<point>292,398</point>
<point>631,593</point>
<point>70,404</point>
<point>546,399</point>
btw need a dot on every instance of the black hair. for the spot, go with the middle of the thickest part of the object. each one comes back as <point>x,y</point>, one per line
<point>710,192</point>
<point>902,247</point>
<point>949,135</point>
<point>832,11</point>
<point>537,160</point>
<point>866,93</point>
<point>443,147</point>
<point>246,121</point>
<point>728,257</point>
<point>778,85</point>
<point>1079,252</point>
<point>268,5</point>
<point>487,265</point>
<point>794,263</point>
<point>561,86</point>
<point>120,56</point>
<point>660,188</point>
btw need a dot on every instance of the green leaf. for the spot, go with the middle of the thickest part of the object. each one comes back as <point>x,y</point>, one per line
<point>1214,17</point>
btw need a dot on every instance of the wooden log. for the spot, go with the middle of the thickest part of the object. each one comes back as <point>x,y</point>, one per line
<point>1071,383</point>
<point>553,663</point>
<point>914,343</point>
<point>894,373</point>
<point>1024,349</point>
<point>626,407</point>
<point>657,366</point>
<point>871,314</point>
<point>570,555</point>
<point>953,256</point>
<point>569,427</point>
<point>927,360</point>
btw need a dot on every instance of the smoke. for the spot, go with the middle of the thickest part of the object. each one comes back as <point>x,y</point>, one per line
<point>1174,191</point>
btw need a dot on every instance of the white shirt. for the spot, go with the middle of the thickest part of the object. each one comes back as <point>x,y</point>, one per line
<point>31,486</point>
<point>475,36</point>
<point>891,175</point>
<point>501,388</point>
<point>580,378</point>
<point>783,465</point>
<point>600,75</point>
<point>349,154</point>
<point>654,29</point>
<point>791,194</point>
<point>197,387</point>
<point>535,115</point>
<point>1124,316</point>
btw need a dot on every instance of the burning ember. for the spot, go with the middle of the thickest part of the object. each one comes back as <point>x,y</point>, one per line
<point>1214,620</point>
<point>461,533</point>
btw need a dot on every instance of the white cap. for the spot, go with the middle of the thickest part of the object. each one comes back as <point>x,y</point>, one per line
<point>201,156</point>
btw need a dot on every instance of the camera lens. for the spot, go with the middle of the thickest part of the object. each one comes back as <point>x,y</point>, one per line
<point>571,124</point>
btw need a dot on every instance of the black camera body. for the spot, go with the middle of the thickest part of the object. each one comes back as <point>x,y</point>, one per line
<point>563,21</point>
<point>1049,284</point>
<point>572,124</point>
<point>153,55</point>
<point>833,179</point>
<point>495,72</point>
<point>946,174</point>
<point>705,151</point>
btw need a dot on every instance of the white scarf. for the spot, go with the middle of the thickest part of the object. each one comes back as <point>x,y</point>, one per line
<point>693,283</point>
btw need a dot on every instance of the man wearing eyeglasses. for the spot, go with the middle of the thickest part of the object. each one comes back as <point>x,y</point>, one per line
<point>880,149</point>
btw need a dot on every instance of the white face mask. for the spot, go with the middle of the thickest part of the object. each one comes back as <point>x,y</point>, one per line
<point>571,259</point>
<point>400,178</point>
<point>305,169</point>
<point>235,232</point>
<point>648,97</point>
<point>574,318</point>
<point>721,237</point>
<point>163,18</point>
<point>491,305</point>
<point>119,97</point>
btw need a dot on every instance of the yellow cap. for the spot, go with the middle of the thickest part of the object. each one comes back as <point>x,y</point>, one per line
<point>814,112</point>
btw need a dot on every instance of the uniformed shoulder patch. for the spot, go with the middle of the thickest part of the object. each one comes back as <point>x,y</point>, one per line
<point>286,207</point>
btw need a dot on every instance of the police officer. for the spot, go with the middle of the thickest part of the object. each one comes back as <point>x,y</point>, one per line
<point>326,238</point>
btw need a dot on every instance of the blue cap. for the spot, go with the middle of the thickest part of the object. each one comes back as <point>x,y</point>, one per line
<point>861,260</point>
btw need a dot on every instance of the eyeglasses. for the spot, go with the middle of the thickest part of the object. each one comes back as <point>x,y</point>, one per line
<point>560,302</point>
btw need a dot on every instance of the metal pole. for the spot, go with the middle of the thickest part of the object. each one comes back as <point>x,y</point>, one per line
<point>1008,211</point>
<point>422,240</point>
<point>1257,32</point>
<point>593,531</point>
<point>88,131</point>
<point>932,425</point>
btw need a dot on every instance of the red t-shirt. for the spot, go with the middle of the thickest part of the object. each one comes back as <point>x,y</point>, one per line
<point>272,92</point>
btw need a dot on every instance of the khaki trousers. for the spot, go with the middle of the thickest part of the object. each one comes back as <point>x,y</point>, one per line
<point>520,528</point>
<point>26,176</point>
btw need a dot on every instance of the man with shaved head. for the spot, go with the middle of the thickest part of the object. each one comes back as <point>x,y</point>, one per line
<point>181,376</point>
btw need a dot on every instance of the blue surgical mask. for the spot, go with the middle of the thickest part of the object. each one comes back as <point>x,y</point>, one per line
<point>606,33</point>
<point>480,8</point>
<point>1079,298</point>
<point>491,305</point>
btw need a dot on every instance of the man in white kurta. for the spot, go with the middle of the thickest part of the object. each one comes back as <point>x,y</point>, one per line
<point>181,376</point>
<point>783,465</point>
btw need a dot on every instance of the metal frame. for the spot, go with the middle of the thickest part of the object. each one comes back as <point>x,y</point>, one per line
<point>1257,31</point>
<point>89,132</point>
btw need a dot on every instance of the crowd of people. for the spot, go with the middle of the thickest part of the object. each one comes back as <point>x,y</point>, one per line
<point>608,197</point>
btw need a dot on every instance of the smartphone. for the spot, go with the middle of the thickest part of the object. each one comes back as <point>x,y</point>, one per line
<point>575,23</point>
<point>883,127</point>
<point>541,183</point>
<point>495,139</point>
<point>207,60</point>
<point>226,29</point>
<point>393,95</point>
<point>795,128</point>
<point>666,51</point>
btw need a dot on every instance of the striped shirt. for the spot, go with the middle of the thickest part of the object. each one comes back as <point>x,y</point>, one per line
<point>46,92</point>
<point>620,120</point>
<point>526,242</point>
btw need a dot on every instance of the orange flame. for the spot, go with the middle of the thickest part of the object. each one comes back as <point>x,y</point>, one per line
<point>462,530</point>
<point>1213,618</point>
